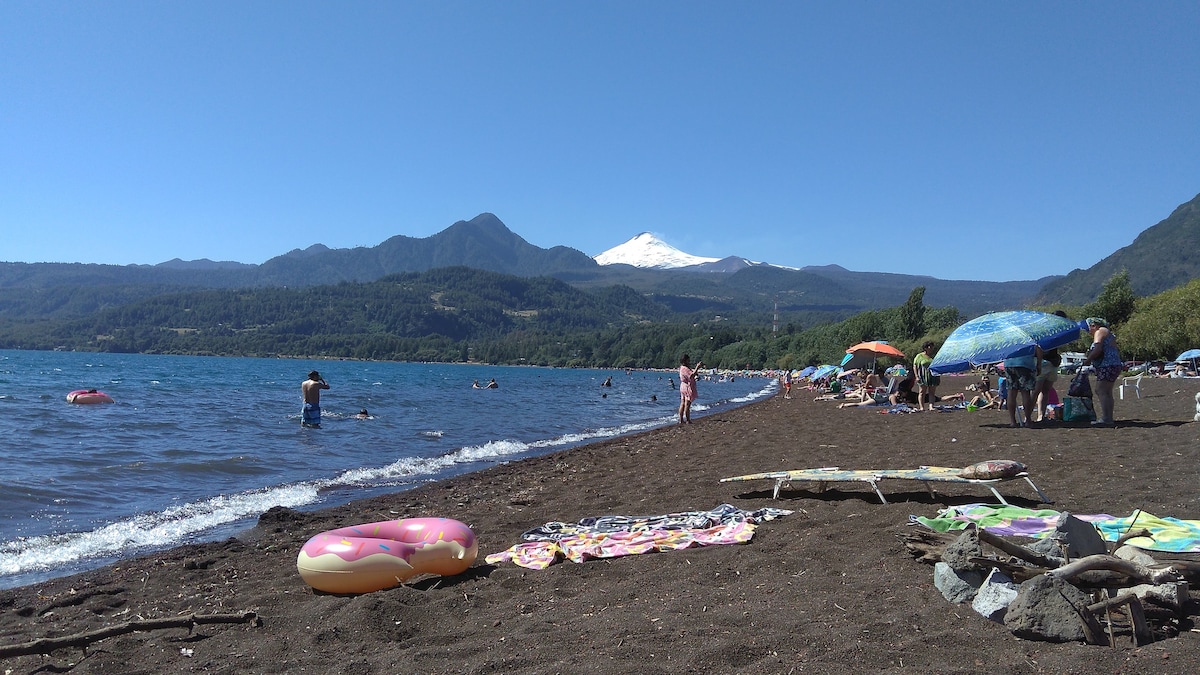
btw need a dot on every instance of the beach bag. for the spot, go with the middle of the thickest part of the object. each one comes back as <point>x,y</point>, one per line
<point>1081,386</point>
<point>1078,409</point>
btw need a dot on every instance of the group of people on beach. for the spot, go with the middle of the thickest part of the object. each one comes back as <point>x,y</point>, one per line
<point>1025,383</point>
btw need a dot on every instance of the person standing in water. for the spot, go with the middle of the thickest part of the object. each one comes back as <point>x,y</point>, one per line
<point>310,416</point>
<point>687,388</point>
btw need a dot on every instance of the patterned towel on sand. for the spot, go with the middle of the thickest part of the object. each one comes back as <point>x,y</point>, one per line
<point>614,536</point>
<point>1166,534</point>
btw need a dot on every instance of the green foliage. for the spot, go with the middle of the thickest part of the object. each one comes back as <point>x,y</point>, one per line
<point>1164,325</point>
<point>912,315</point>
<point>1116,302</point>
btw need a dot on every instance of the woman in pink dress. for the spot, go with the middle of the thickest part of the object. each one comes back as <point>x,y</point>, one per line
<point>687,388</point>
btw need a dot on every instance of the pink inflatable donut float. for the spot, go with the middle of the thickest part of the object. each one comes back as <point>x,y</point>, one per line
<point>375,556</point>
<point>88,396</point>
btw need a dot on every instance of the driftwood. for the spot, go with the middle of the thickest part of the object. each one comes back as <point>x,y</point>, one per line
<point>1130,535</point>
<point>1140,630</point>
<point>926,545</point>
<point>1017,551</point>
<point>1189,569</point>
<point>1157,574</point>
<point>47,645</point>
<point>1013,569</point>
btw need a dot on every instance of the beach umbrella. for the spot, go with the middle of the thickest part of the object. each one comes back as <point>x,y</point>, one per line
<point>807,371</point>
<point>865,353</point>
<point>1000,335</point>
<point>1189,355</point>
<point>822,372</point>
<point>876,347</point>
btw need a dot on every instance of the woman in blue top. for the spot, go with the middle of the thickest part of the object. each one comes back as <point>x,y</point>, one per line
<point>1107,364</point>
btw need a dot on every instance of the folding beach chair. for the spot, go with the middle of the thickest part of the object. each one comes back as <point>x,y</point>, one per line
<point>926,474</point>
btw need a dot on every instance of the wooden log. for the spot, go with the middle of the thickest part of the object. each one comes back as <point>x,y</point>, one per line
<point>1017,551</point>
<point>926,545</point>
<point>1140,630</point>
<point>1157,574</point>
<point>189,621</point>
<point>1130,535</point>
<point>1015,570</point>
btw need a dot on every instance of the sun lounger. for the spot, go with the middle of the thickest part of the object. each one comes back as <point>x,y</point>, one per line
<point>925,474</point>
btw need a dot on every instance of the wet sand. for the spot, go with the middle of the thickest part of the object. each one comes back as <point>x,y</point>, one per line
<point>827,589</point>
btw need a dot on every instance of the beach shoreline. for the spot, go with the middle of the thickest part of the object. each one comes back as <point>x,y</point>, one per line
<point>814,591</point>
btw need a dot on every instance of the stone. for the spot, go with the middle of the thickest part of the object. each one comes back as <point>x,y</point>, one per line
<point>1134,554</point>
<point>959,552</point>
<point>1173,595</point>
<point>957,587</point>
<point>1081,537</point>
<point>1049,547</point>
<point>994,596</point>
<point>1045,609</point>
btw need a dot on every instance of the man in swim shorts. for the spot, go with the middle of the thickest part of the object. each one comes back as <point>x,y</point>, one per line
<point>310,416</point>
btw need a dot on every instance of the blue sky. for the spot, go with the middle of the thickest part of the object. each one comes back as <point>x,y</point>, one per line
<point>962,140</point>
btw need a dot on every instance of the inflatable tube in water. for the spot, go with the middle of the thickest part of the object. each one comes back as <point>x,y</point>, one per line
<point>375,556</point>
<point>88,396</point>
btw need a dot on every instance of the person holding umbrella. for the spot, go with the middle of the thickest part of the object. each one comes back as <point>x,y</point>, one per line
<point>1107,364</point>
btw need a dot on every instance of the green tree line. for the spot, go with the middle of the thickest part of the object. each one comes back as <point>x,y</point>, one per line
<point>462,314</point>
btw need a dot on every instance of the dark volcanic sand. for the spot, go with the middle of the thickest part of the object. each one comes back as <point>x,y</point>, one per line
<point>827,589</point>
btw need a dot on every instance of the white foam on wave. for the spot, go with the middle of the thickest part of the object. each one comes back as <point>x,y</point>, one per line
<point>147,531</point>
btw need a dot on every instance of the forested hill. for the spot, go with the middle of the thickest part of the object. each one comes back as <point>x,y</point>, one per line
<point>419,316</point>
<point>1160,258</point>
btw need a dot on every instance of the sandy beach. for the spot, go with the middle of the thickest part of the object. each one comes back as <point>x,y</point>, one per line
<point>829,588</point>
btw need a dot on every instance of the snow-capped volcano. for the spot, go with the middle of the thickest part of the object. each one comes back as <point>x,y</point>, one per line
<point>647,250</point>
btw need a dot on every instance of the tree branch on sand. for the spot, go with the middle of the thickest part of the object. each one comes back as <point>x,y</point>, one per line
<point>189,621</point>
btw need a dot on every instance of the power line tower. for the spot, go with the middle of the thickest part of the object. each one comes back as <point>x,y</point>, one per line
<point>775,319</point>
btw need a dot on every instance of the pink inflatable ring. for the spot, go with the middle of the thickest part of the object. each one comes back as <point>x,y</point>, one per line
<point>88,396</point>
<point>375,556</point>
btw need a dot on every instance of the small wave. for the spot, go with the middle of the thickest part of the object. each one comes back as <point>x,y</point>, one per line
<point>433,434</point>
<point>147,531</point>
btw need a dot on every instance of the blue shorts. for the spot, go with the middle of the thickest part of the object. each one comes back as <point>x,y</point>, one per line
<point>311,415</point>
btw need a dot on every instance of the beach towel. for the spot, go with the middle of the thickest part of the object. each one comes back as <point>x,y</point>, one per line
<point>615,536</point>
<point>1166,534</point>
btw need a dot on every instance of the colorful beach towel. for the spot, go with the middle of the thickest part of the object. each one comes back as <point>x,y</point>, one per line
<point>1166,534</point>
<point>615,536</point>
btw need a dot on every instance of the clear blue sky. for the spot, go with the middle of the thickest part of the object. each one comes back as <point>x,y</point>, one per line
<point>963,140</point>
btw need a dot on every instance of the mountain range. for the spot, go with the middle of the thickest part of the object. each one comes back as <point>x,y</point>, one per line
<point>1161,257</point>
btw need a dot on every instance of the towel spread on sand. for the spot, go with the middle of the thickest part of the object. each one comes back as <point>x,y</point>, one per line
<point>1166,534</point>
<point>614,536</point>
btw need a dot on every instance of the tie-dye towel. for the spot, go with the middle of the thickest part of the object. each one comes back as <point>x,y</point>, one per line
<point>1166,534</point>
<point>614,536</point>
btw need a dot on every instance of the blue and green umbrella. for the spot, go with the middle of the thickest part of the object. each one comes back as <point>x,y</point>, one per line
<point>1189,355</point>
<point>1002,335</point>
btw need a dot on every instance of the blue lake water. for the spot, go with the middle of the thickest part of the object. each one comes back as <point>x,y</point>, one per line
<point>195,448</point>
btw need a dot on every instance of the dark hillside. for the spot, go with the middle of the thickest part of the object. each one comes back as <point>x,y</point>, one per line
<point>1160,258</point>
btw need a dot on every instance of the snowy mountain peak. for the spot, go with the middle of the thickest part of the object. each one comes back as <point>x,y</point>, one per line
<point>647,250</point>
